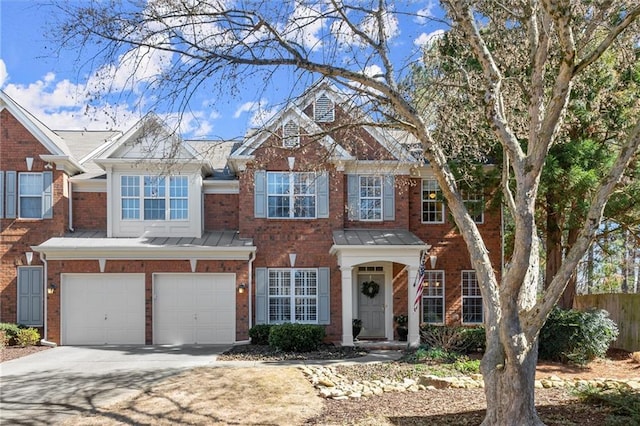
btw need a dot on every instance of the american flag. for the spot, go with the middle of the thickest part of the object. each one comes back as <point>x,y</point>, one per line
<point>419,283</point>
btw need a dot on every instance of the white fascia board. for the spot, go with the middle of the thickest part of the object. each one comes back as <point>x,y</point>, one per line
<point>239,163</point>
<point>89,185</point>
<point>352,255</point>
<point>391,167</point>
<point>146,253</point>
<point>64,163</point>
<point>221,186</point>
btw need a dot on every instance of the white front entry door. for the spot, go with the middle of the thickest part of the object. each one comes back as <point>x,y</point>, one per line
<point>371,310</point>
<point>194,309</point>
<point>98,309</point>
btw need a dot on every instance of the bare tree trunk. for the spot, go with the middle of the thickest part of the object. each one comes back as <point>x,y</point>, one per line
<point>509,386</point>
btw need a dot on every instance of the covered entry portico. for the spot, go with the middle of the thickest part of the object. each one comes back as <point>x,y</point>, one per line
<point>374,251</point>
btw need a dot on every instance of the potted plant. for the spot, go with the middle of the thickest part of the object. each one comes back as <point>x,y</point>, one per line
<point>401,327</point>
<point>356,327</point>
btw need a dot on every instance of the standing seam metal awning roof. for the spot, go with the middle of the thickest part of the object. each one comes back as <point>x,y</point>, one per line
<point>92,244</point>
<point>375,237</point>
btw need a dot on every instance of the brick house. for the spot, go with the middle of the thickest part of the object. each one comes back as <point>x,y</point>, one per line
<point>143,238</point>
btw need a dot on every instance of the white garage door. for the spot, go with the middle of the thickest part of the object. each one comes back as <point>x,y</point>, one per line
<point>102,309</point>
<point>194,308</point>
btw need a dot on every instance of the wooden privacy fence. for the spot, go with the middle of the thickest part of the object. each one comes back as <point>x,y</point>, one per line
<point>624,309</point>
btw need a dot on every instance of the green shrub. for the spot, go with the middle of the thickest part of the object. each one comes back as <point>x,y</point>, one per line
<point>622,404</point>
<point>27,337</point>
<point>474,339</point>
<point>10,330</point>
<point>456,339</point>
<point>296,337</point>
<point>467,366</point>
<point>576,337</point>
<point>259,334</point>
<point>4,339</point>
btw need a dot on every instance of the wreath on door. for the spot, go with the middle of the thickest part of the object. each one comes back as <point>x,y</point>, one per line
<point>370,289</point>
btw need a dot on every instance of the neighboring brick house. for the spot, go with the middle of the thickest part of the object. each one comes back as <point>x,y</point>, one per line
<point>142,238</point>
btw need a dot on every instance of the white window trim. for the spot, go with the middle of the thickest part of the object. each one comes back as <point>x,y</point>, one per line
<point>423,201</point>
<point>292,196</point>
<point>292,295</point>
<point>424,296</point>
<point>462,273</point>
<point>360,198</point>
<point>141,198</point>
<point>20,196</point>
<point>473,197</point>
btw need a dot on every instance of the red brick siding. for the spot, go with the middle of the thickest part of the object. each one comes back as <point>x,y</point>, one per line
<point>451,250</point>
<point>18,235</point>
<point>90,210</point>
<point>56,268</point>
<point>221,212</point>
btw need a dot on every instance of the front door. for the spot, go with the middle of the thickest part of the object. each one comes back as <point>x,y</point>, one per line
<point>371,309</point>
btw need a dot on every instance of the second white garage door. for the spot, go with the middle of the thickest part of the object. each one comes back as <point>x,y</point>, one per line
<point>194,309</point>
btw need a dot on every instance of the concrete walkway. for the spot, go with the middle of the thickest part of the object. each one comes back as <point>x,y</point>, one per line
<point>49,386</point>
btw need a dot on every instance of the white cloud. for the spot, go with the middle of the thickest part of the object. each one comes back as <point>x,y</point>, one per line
<point>369,26</point>
<point>428,39</point>
<point>304,25</point>
<point>3,73</point>
<point>249,107</point>
<point>425,13</point>
<point>373,71</point>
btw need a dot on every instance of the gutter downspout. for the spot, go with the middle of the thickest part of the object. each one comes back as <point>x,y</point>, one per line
<point>70,206</point>
<point>44,340</point>
<point>252,257</point>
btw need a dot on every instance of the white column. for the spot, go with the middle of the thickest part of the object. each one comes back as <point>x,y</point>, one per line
<point>413,339</point>
<point>347,306</point>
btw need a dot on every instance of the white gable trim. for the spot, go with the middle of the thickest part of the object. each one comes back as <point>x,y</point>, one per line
<point>305,122</point>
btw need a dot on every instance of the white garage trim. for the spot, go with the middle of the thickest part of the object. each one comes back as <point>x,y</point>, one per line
<point>194,308</point>
<point>99,309</point>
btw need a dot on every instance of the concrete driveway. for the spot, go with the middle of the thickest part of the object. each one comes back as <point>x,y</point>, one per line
<point>49,386</point>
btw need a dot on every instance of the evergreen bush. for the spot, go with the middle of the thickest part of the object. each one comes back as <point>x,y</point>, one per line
<point>27,337</point>
<point>296,337</point>
<point>259,334</point>
<point>576,337</point>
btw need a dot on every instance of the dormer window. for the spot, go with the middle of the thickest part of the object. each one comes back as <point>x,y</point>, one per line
<point>159,197</point>
<point>324,109</point>
<point>290,135</point>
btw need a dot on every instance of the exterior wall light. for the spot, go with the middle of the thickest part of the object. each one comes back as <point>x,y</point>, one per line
<point>51,289</point>
<point>241,288</point>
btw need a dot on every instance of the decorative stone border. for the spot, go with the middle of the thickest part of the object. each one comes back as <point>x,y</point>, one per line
<point>335,386</point>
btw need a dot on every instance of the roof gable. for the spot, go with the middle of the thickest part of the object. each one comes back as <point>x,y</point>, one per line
<point>56,146</point>
<point>310,127</point>
<point>149,139</point>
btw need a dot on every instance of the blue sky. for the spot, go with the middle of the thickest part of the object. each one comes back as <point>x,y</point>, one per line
<point>52,86</point>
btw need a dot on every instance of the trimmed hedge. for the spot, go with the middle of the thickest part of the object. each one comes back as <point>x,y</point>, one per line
<point>576,337</point>
<point>296,337</point>
<point>259,334</point>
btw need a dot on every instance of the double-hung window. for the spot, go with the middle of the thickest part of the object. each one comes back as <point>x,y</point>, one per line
<point>472,311</point>
<point>474,202</point>
<point>370,198</point>
<point>291,195</point>
<point>30,193</point>
<point>432,204</point>
<point>293,295</point>
<point>158,197</point>
<point>433,297</point>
